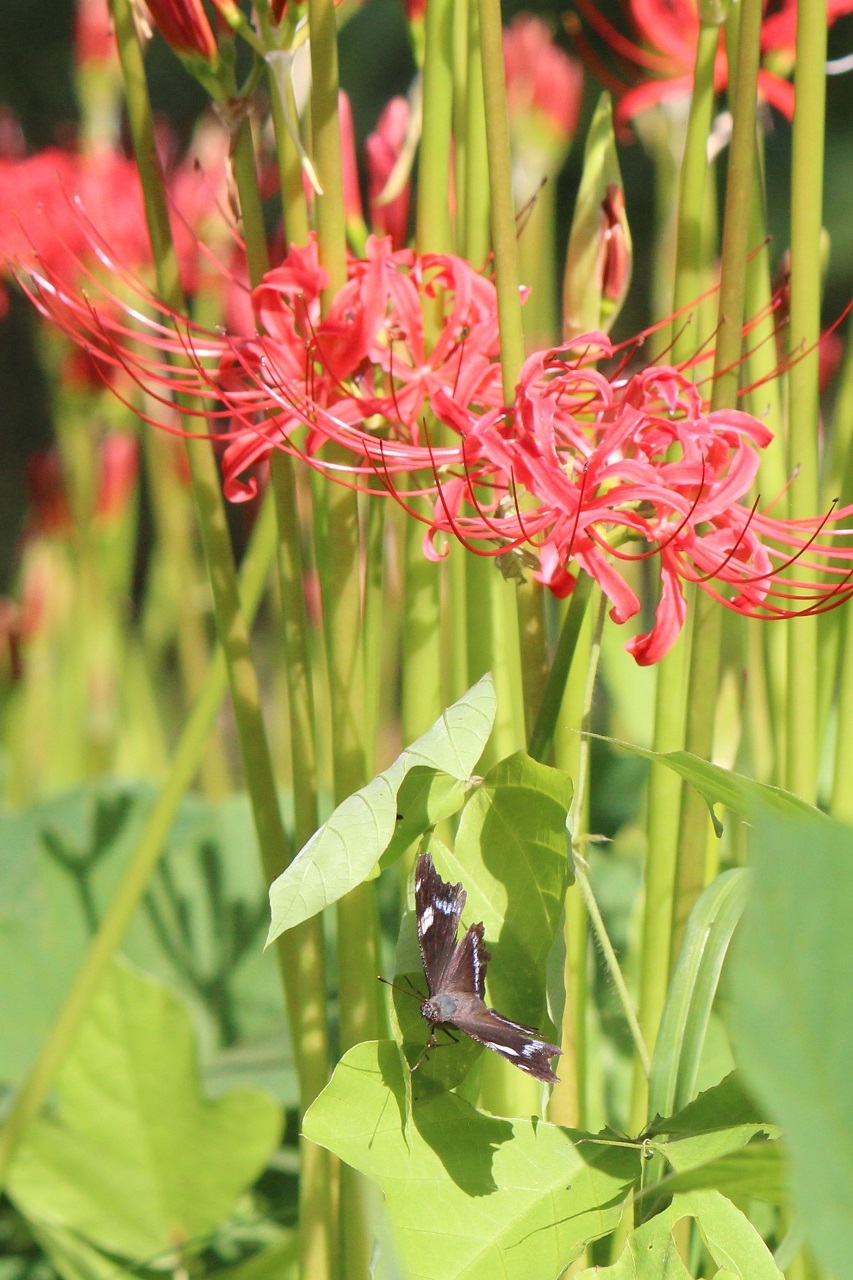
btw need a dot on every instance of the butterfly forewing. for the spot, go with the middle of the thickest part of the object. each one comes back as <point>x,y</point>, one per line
<point>438,907</point>
<point>466,970</point>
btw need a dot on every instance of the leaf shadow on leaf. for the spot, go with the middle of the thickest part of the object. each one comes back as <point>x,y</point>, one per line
<point>467,1163</point>
<point>391,1068</point>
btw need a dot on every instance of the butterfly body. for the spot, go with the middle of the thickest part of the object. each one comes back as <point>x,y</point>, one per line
<point>456,972</point>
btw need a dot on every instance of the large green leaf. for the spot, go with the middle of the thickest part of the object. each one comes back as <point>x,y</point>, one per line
<point>729,1236</point>
<point>468,1194</point>
<point>512,855</point>
<point>200,924</point>
<point>135,1160</point>
<point>792,1014</point>
<point>347,848</point>
<point>721,786</point>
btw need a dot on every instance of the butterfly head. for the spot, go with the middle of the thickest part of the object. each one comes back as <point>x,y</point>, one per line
<point>439,1008</point>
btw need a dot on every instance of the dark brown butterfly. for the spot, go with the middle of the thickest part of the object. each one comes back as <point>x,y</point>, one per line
<point>456,972</point>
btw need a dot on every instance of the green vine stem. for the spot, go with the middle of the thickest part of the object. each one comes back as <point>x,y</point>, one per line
<point>146,854</point>
<point>806,211</point>
<point>707,615</point>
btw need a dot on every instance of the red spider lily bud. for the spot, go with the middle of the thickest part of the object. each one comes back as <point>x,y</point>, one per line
<point>382,150</point>
<point>349,173</point>
<point>184,26</point>
<point>48,510</point>
<point>277,8</point>
<point>11,666</point>
<point>599,257</point>
<point>615,251</point>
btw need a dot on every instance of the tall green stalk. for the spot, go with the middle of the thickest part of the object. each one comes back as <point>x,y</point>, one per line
<point>530,598</point>
<point>492,609</point>
<point>693,256</point>
<point>339,562</point>
<point>707,616</point>
<point>806,212</point>
<point>305,948</point>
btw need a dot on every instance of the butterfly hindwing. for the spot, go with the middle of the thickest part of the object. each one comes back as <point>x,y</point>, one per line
<point>438,907</point>
<point>512,1040</point>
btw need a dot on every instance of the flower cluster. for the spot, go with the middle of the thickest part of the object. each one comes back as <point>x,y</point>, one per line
<point>587,472</point>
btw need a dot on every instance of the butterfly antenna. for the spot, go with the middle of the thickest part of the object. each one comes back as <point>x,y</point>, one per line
<point>405,991</point>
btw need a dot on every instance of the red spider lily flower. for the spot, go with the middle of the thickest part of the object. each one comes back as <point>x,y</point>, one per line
<point>41,198</point>
<point>586,472</point>
<point>544,91</point>
<point>185,27</point>
<point>663,51</point>
<point>382,150</point>
<point>585,466</point>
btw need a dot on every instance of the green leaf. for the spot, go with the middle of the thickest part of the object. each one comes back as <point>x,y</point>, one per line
<point>758,1171</point>
<point>346,849</point>
<point>729,1236</point>
<point>512,856</point>
<point>135,1160</point>
<point>588,302</point>
<point>200,925</point>
<point>468,1194</point>
<point>690,998</point>
<point>792,1014</point>
<point>721,786</point>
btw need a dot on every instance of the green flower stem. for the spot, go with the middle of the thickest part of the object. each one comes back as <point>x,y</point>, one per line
<point>432,223</point>
<point>530,599</point>
<point>664,788</point>
<point>664,798</point>
<point>492,604</point>
<point>422,583</point>
<point>303,953</point>
<point>338,558</point>
<point>326,140</point>
<point>580,818</point>
<point>474,232</point>
<point>707,616</point>
<point>569,1100</point>
<point>149,846</point>
<point>692,253</point>
<point>842,794</point>
<point>543,731</point>
<point>502,209</point>
<point>806,210</point>
<point>175,548</point>
<point>210,507</point>
<point>294,208</point>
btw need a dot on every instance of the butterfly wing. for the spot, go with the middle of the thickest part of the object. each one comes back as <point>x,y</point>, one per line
<point>466,970</point>
<point>519,1044</point>
<point>438,907</point>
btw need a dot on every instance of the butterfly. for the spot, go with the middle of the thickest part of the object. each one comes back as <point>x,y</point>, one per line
<point>456,972</point>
